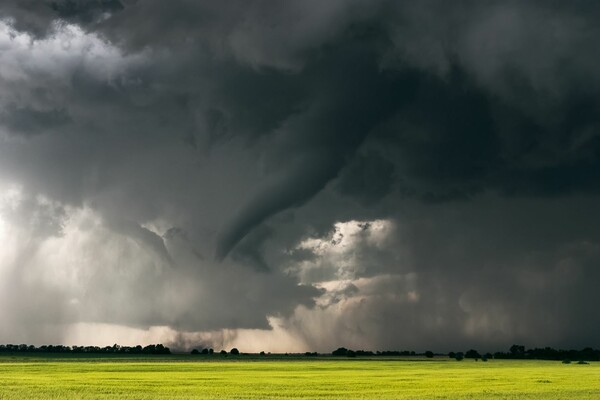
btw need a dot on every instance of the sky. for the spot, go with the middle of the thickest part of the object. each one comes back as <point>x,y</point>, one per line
<point>301,175</point>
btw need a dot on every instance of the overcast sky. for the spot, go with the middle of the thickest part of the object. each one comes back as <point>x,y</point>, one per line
<point>300,175</point>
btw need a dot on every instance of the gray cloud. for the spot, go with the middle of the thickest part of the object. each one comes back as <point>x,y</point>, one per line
<point>182,155</point>
<point>30,122</point>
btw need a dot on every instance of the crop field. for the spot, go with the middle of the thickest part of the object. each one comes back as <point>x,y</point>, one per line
<point>186,377</point>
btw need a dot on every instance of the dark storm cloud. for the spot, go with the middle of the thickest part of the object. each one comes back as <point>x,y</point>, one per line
<point>38,17</point>
<point>30,122</point>
<point>194,130</point>
<point>368,178</point>
<point>469,125</point>
<point>84,11</point>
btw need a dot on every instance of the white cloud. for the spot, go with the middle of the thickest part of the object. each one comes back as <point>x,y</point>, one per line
<point>338,254</point>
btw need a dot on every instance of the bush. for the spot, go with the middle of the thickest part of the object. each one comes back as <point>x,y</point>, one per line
<point>195,351</point>
<point>234,351</point>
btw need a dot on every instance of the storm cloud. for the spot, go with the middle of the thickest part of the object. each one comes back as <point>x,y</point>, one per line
<point>299,176</point>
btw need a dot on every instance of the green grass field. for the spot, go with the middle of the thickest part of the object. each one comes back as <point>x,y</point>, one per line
<point>185,377</point>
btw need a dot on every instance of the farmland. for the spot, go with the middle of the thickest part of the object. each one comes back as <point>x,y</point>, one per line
<point>247,377</point>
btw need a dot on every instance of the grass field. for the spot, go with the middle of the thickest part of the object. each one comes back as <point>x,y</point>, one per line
<point>185,377</point>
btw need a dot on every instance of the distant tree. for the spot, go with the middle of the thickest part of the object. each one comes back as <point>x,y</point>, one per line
<point>452,354</point>
<point>429,354</point>
<point>587,354</point>
<point>195,351</point>
<point>211,351</point>
<point>262,353</point>
<point>204,351</point>
<point>472,354</point>
<point>222,352</point>
<point>351,353</point>
<point>341,351</point>
<point>459,356</point>
<point>234,351</point>
<point>517,351</point>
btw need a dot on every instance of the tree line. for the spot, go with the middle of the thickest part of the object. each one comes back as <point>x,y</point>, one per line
<point>515,351</point>
<point>114,349</point>
<point>342,351</point>
<point>548,353</point>
<point>233,351</point>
